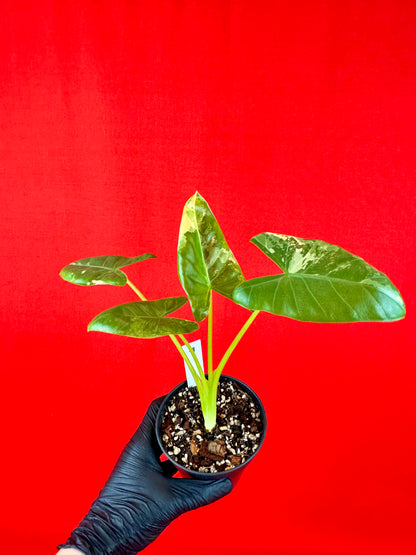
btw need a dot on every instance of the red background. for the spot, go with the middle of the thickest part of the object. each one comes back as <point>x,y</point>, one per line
<point>294,117</point>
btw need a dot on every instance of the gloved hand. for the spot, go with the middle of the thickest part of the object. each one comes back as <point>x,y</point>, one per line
<point>140,498</point>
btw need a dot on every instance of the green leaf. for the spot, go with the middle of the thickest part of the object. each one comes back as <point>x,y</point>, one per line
<point>100,270</point>
<point>144,319</point>
<point>320,283</point>
<point>205,262</point>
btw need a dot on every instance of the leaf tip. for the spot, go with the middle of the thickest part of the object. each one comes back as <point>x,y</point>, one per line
<point>198,197</point>
<point>402,309</point>
<point>67,275</point>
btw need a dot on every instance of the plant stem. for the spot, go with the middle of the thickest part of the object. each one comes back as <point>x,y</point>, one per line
<point>138,293</point>
<point>207,389</point>
<point>194,357</point>
<point>188,363</point>
<point>210,367</point>
<point>235,342</point>
<point>210,402</point>
<point>175,341</point>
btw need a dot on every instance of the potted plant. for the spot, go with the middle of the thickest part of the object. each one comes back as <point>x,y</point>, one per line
<point>218,426</point>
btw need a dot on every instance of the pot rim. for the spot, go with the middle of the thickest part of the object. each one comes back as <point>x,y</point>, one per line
<point>197,473</point>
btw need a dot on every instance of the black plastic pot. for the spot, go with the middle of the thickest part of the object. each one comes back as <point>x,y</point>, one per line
<point>234,473</point>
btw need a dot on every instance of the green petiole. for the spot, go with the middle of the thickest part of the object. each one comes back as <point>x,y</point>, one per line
<point>236,341</point>
<point>175,341</point>
<point>210,366</point>
<point>194,357</point>
<point>207,385</point>
<point>210,414</point>
<point>138,293</point>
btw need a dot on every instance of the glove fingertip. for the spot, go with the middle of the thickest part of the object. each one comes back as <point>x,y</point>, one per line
<point>226,485</point>
<point>219,489</point>
<point>198,493</point>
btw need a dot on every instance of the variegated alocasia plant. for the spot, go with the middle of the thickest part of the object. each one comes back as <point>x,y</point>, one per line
<point>318,282</point>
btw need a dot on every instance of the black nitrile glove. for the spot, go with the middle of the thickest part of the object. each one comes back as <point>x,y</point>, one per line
<point>140,498</point>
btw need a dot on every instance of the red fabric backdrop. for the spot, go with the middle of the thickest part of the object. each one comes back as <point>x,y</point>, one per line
<point>294,117</point>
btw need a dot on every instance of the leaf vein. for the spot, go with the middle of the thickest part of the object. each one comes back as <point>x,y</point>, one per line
<point>275,292</point>
<point>312,295</point>
<point>341,297</point>
<point>378,302</point>
<point>294,296</point>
